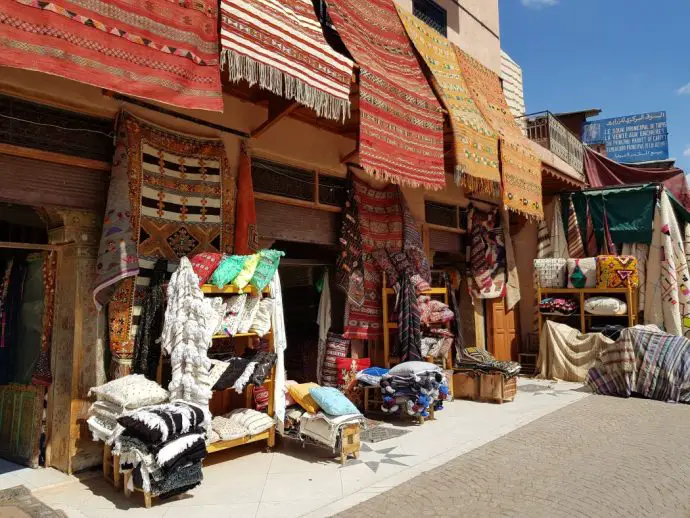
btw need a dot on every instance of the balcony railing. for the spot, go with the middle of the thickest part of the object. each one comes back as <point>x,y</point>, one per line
<point>547,130</point>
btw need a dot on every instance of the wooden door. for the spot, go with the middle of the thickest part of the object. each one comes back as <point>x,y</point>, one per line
<point>502,330</point>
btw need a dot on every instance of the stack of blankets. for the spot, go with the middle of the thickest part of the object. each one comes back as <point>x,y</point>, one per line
<point>413,387</point>
<point>477,361</point>
<point>119,397</point>
<point>164,445</point>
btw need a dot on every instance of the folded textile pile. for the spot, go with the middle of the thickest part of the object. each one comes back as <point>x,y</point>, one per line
<point>480,360</point>
<point>118,397</point>
<point>414,387</point>
<point>242,422</point>
<point>164,445</point>
<point>371,376</point>
<point>437,343</point>
<point>324,428</point>
<point>558,305</point>
<point>251,368</point>
<point>434,311</point>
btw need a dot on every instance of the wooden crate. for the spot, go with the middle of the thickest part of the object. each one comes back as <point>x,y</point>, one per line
<point>495,388</point>
<point>350,442</point>
<point>465,386</point>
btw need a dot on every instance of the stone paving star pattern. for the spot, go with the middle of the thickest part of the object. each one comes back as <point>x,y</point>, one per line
<point>601,456</point>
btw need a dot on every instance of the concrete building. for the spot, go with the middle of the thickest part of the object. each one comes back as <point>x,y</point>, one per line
<point>513,89</point>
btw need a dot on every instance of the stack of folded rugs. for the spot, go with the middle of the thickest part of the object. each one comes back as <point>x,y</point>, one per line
<point>475,360</point>
<point>413,387</point>
<point>164,446</point>
<point>118,397</point>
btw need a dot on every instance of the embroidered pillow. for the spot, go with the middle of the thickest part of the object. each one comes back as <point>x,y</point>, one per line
<point>605,306</point>
<point>227,430</point>
<point>266,269</point>
<point>240,282</point>
<point>336,347</point>
<point>617,271</point>
<point>133,391</point>
<point>231,321</point>
<point>550,272</point>
<point>260,398</point>
<point>582,273</point>
<point>348,369</point>
<point>262,322</point>
<point>250,310</point>
<point>300,393</point>
<point>205,264</point>
<point>255,422</point>
<point>228,269</point>
<point>332,401</point>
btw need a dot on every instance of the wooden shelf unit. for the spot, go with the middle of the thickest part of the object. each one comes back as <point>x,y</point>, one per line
<point>580,294</point>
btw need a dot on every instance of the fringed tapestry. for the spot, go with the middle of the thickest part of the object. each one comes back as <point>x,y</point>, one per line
<point>475,144</point>
<point>521,168</point>
<point>246,232</point>
<point>158,49</point>
<point>171,195</point>
<point>281,46</point>
<point>401,123</point>
<point>487,255</point>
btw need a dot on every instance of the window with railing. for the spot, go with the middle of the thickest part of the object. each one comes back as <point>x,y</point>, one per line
<point>432,14</point>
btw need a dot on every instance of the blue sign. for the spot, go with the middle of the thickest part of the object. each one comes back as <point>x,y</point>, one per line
<point>636,138</point>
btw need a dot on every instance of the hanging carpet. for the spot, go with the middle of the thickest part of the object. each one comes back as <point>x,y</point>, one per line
<point>160,50</point>
<point>487,254</point>
<point>281,46</point>
<point>401,123</point>
<point>171,195</point>
<point>474,140</point>
<point>521,168</point>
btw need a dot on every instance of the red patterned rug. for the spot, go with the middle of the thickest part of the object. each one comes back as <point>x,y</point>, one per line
<point>157,49</point>
<point>401,123</point>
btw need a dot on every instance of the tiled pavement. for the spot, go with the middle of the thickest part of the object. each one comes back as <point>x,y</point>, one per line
<point>294,481</point>
<point>599,457</point>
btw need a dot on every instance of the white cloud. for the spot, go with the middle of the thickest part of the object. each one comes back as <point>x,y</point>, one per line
<point>683,90</point>
<point>539,4</point>
<point>687,151</point>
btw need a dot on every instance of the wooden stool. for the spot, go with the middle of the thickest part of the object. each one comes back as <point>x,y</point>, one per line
<point>111,467</point>
<point>349,442</point>
<point>128,492</point>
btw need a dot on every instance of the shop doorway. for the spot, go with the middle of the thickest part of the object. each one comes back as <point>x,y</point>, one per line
<point>503,330</point>
<point>25,261</point>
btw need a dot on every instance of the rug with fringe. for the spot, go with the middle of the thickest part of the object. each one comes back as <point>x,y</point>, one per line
<point>281,46</point>
<point>401,123</point>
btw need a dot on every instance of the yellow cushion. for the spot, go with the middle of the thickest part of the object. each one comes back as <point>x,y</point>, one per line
<point>247,271</point>
<point>300,393</point>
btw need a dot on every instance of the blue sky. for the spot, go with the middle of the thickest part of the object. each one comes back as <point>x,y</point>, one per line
<point>623,56</point>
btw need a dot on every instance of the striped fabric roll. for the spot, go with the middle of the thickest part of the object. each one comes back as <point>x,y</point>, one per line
<point>576,248</point>
<point>544,248</point>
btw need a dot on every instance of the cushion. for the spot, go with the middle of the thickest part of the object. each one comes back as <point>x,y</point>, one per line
<point>300,393</point>
<point>348,369</point>
<point>205,264</point>
<point>605,306</point>
<point>261,398</point>
<point>133,391</point>
<point>266,269</point>
<point>228,269</point>
<point>161,423</point>
<point>250,310</point>
<point>617,271</point>
<point>262,321</point>
<point>231,321</point>
<point>336,347</point>
<point>289,400</point>
<point>550,272</point>
<point>255,422</point>
<point>332,401</point>
<point>413,368</point>
<point>247,272</point>
<point>582,273</point>
<point>211,437</point>
<point>226,429</point>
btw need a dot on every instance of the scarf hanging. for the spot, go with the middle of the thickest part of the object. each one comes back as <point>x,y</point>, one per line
<point>576,248</point>
<point>475,144</point>
<point>42,373</point>
<point>246,233</point>
<point>279,346</point>
<point>409,322</point>
<point>544,248</point>
<point>324,322</point>
<point>147,347</point>
<point>401,123</point>
<point>281,46</point>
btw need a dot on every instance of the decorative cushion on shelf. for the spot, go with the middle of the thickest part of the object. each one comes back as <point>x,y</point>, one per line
<point>289,400</point>
<point>261,398</point>
<point>582,273</point>
<point>300,393</point>
<point>226,429</point>
<point>550,272</point>
<point>231,321</point>
<point>255,422</point>
<point>130,392</point>
<point>205,264</point>
<point>247,272</point>
<point>262,321</point>
<point>336,347</point>
<point>605,306</point>
<point>251,308</point>
<point>560,305</point>
<point>332,401</point>
<point>218,368</point>
<point>348,368</point>
<point>212,436</point>
<point>266,269</point>
<point>228,269</point>
<point>617,271</point>
<point>413,368</point>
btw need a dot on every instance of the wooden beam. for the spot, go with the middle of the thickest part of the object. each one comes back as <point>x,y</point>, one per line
<point>275,114</point>
<point>56,158</point>
<point>296,203</point>
<point>351,154</point>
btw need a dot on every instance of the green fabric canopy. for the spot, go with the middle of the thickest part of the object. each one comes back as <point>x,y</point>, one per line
<point>630,212</point>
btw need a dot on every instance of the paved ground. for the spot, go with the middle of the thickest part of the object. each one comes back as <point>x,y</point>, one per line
<point>601,456</point>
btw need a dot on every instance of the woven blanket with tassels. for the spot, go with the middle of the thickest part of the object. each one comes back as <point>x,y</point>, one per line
<point>280,45</point>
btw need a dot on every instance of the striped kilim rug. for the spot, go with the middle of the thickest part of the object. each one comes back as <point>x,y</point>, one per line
<point>401,123</point>
<point>280,45</point>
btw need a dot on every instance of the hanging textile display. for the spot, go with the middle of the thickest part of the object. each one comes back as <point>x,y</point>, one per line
<point>279,346</point>
<point>246,233</point>
<point>171,195</point>
<point>281,46</point>
<point>401,123</point>
<point>607,247</point>
<point>576,248</point>
<point>668,279</point>
<point>640,252</point>
<point>590,238</point>
<point>487,254</point>
<point>475,144</point>
<point>324,321</point>
<point>159,50</point>
<point>544,247</point>
<point>380,227</point>
<point>409,322</point>
<point>414,246</point>
<point>520,167</point>
<point>42,374</point>
<point>349,275</point>
<point>559,243</point>
<point>512,277</point>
